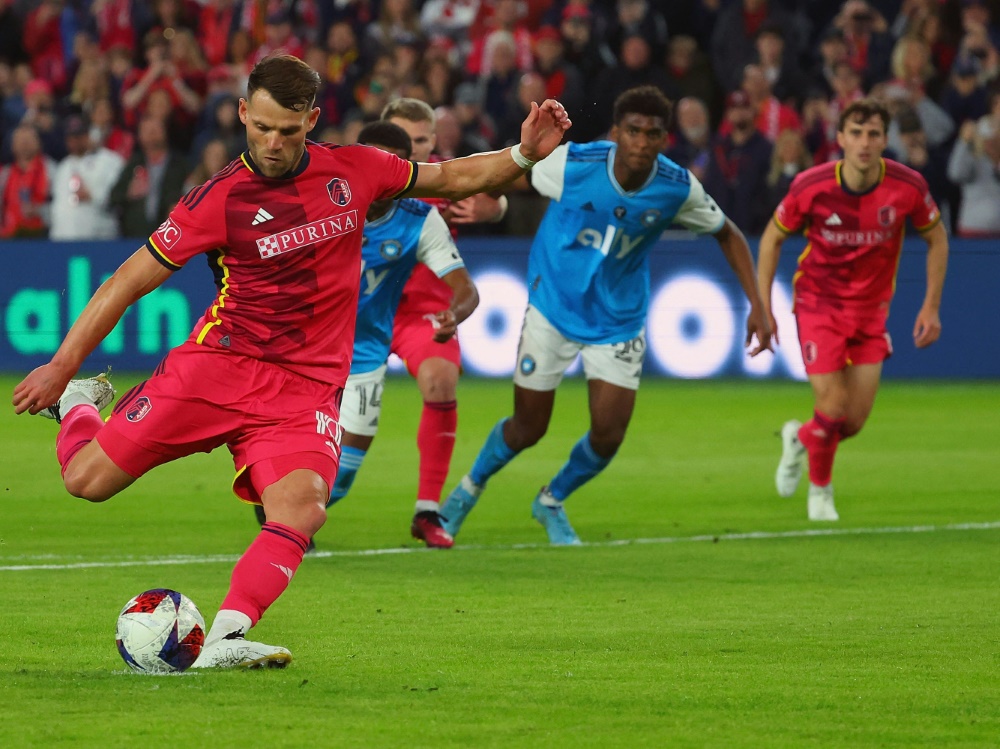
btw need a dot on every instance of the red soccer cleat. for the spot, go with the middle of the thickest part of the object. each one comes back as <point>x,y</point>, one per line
<point>427,527</point>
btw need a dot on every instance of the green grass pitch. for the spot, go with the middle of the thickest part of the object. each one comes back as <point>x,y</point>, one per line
<point>735,623</point>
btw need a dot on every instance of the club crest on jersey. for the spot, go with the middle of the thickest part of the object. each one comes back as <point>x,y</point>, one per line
<point>138,410</point>
<point>390,249</point>
<point>620,211</point>
<point>527,365</point>
<point>168,233</point>
<point>887,215</point>
<point>650,217</point>
<point>340,191</point>
<point>810,352</point>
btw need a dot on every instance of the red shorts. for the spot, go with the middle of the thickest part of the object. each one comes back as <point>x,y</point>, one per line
<point>413,342</point>
<point>272,420</point>
<point>832,339</point>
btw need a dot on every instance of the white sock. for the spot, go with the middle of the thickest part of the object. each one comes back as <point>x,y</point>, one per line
<point>70,401</point>
<point>226,622</point>
<point>426,505</point>
<point>548,500</point>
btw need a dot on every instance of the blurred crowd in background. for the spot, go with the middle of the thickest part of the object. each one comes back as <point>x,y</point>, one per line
<point>110,110</point>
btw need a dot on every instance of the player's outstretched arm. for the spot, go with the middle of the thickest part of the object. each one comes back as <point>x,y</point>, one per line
<point>927,328</point>
<point>737,251</point>
<point>455,179</point>
<point>768,252</point>
<point>465,299</point>
<point>135,278</point>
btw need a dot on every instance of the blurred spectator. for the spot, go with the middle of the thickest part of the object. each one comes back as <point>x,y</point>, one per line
<point>635,69</point>
<point>530,88</point>
<point>112,21</point>
<point>217,19</point>
<point>737,172</point>
<point>105,130</point>
<point>506,15</point>
<point>928,24</point>
<point>936,123</point>
<point>819,125</point>
<point>913,68</point>
<point>869,43</point>
<point>638,17</point>
<point>789,157</point>
<point>978,16</point>
<point>225,126</point>
<point>562,79</point>
<point>11,33</point>
<point>89,85</point>
<point>583,49</point>
<point>81,187</point>
<point>40,113</point>
<point>213,158</point>
<point>43,42</point>
<point>499,84</point>
<point>783,72</point>
<point>151,182</point>
<point>343,71</point>
<point>165,16</point>
<point>279,37</point>
<point>735,33</point>
<point>913,150</point>
<point>692,74</point>
<point>451,141</point>
<point>398,23</point>
<point>832,52</point>
<point>476,123</point>
<point>964,97</point>
<point>440,80</point>
<point>691,148</point>
<point>450,19</point>
<point>846,88</point>
<point>25,186</point>
<point>771,116</point>
<point>974,166</point>
<point>160,74</point>
<point>977,43</point>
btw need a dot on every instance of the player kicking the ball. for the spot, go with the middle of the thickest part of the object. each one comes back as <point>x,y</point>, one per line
<point>264,369</point>
<point>588,280</point>
<point>854,213</point>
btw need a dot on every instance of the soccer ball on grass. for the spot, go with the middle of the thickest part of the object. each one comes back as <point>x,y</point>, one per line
<point>160,631</point>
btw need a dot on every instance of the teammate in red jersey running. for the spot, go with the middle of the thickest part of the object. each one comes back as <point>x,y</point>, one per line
<point>434,364</point>
<point>853,213</point>
<point>264,369</point>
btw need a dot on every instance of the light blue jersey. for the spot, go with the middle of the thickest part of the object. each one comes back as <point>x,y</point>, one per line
<point>588,272</point>
<point>410,232</point>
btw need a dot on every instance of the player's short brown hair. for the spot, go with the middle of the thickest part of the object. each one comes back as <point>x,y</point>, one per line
<point>411,110</point>
<point>289,81</point>
<point>644,100</point>
<point>863,110</point>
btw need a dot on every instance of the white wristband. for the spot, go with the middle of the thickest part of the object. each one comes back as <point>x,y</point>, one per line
<point>521,161</point>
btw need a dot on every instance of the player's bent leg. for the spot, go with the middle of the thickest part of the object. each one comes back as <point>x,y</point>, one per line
<point>92,475</point>
<point>862,385</point>
<point>530,421</point>
<point>437,379</point>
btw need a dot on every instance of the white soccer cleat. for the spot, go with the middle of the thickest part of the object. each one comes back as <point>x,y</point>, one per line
<point>821,505</point>
<point>98,390</point>
<point>793,454</point>
<point>233,651</point>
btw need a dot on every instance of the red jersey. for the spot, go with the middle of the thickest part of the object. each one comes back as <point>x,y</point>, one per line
<point>286,254</point>
<point>854,238</point>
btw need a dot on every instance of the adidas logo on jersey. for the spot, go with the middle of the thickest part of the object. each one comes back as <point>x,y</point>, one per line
<point>261,217</point>
<point>834,220</point>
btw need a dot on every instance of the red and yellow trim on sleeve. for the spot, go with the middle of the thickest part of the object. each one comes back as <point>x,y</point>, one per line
<point>410,181</point>
<point>931,225</point>
<point>161,258</point>
<point>220,300</point>
<point>781,226</point>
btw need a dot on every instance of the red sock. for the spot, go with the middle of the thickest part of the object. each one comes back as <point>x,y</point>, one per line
<point>821,435</point>
<point>265,569</point>
<point>76,431</point>
<point>436,441</point>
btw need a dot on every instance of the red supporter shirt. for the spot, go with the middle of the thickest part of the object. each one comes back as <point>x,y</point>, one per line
<point>854,238</point>
<point>286,254</point>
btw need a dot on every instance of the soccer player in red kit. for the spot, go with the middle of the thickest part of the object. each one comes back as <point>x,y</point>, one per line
<point>853,213</point>
<point>263,370</point>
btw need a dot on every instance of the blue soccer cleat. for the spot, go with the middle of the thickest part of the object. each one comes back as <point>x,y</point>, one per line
<point>554,520</point>
<point>459,504</point>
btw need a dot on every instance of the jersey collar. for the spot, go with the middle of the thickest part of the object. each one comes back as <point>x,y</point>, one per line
<point>849,191</point>
<point>303,163</point>
<point>614,182</point>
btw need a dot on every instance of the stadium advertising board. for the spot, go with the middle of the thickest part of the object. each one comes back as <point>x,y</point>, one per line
<point>695,327</point>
